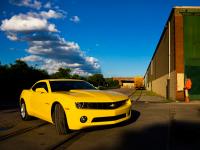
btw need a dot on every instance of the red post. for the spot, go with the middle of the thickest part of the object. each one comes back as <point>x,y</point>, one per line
<point>188,86</point>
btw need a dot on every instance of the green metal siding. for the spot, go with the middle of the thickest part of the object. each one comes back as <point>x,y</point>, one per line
<point>192,53</point>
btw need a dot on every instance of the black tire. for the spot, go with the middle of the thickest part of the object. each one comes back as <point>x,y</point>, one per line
<point>60,120</point>
<point>23,112</point>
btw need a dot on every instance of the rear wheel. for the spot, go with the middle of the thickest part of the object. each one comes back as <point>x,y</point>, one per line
<point>60,120</point>
<point>23,112</point>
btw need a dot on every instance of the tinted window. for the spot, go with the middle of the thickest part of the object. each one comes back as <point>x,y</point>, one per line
<point>69,85</point>
<point>40,85</point>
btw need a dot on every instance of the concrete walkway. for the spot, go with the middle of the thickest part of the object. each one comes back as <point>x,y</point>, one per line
<point>149,97</point>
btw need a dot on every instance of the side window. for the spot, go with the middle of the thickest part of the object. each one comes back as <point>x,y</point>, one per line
<point>40,85</point>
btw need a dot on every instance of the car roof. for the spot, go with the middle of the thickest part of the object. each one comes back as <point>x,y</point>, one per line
<point>59,80</point>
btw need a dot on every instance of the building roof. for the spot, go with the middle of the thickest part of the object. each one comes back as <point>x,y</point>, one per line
<point>187,7</point>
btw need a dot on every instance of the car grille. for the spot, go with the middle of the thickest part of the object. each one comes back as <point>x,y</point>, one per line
<point>108,105</point>
<point>112,118</point>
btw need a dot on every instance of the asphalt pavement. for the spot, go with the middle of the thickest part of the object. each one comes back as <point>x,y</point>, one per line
<point>156,124</point>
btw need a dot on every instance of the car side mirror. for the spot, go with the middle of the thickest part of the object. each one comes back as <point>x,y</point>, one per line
<point>41,90</point>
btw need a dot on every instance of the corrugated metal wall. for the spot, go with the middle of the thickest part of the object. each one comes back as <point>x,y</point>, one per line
<point>192,52</point>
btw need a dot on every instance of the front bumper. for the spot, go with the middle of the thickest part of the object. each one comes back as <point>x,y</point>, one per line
<point>97,117</point>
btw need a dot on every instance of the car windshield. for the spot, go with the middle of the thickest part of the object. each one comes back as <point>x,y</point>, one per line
<point>69,85</point>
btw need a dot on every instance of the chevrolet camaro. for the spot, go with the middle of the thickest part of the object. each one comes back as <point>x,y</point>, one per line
<point>73,104</point>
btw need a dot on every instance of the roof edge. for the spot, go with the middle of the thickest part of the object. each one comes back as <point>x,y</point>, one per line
<point>187,7</point>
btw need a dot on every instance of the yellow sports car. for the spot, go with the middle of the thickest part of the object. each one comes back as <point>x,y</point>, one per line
<point>73,104</point>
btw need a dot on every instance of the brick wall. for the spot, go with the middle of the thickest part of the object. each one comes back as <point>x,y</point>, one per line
<point>179,50</point>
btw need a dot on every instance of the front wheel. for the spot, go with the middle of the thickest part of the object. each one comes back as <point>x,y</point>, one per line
<point>60,120</point>
<point>23,112</point>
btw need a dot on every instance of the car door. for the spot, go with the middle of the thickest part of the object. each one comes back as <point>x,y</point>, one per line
<point>40,101</point>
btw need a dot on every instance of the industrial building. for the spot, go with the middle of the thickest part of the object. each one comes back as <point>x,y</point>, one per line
<point>177,56</point>
<point>130,82</point>
<point>125,82</point>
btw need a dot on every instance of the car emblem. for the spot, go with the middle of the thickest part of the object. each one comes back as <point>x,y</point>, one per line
<point>112,105</point>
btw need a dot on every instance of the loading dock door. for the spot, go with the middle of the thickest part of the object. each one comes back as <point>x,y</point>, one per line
<point>192,53</point>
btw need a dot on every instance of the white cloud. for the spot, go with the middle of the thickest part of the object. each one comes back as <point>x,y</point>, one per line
<point>48,5</point>
<point>46,47</point>
<point>51,14</point>
<point>13,49</point>
<point>27,3</point>
<point>52,66</point>
<point>70,45</point>
<point>81,72</point>
<point>93,61</point>
<point>32,58</point>
<point>12,36</point>
<point>56,53</point>
<point>55,47</point>
<point>97,45</point>
<point>39,50</point>
<point>31,22</point>
<point>75,19</point>
<point>26,23</point>
<point>47,14</point>
<point>52,28</point>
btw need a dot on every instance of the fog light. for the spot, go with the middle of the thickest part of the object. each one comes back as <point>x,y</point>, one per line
<point>129,112</point>
<point>83,119</point>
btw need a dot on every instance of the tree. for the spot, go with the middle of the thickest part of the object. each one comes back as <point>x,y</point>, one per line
<point>62,73</point>
<point>139,82</point>
<point>112,83</point>
<point>16,77</point>
<point>97,80</point>
<point>75,76</point>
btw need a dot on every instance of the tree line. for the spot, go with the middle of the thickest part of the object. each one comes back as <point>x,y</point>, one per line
<point>18,76</point>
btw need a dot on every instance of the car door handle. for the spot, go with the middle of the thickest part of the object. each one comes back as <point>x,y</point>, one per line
<point>47,103</point>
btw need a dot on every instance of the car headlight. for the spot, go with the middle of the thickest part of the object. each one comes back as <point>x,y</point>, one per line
<point>79,105</point>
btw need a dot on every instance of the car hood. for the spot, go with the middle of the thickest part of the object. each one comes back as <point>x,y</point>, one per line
<point>96,96</point>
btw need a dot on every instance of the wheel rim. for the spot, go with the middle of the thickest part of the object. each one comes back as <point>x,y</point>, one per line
<point>23,110</point>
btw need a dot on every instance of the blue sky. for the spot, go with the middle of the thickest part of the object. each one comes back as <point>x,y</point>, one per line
<point>115,37</point>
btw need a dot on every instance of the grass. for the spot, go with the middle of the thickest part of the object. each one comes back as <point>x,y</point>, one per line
<point>150,93</point>
<point>145,93</point>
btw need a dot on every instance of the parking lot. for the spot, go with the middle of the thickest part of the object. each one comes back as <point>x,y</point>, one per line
<point>156,124</point>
